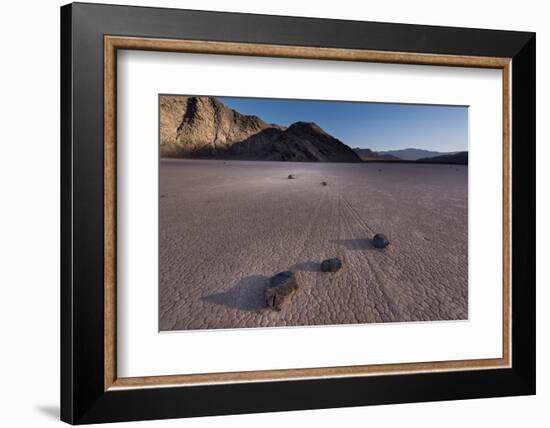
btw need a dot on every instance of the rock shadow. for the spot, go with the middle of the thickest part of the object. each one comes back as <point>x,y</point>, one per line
<point>248,294</point>
<point>309,266</point>
<point>355,244</point>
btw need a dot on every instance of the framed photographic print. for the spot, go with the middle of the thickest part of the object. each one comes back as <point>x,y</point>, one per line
<point>265,213</point>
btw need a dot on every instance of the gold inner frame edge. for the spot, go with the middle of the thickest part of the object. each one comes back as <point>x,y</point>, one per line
<point>113,43</point>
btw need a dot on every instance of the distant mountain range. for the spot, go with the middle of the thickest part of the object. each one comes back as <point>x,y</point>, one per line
<point>204,127</point>
<point>460,158</point>
<point>368,154</point>
<point>413,154</point>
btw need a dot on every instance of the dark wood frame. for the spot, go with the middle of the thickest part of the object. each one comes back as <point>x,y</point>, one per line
<point>90,35</point>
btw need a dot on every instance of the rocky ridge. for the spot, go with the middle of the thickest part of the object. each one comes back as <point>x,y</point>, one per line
<point>204,127</point>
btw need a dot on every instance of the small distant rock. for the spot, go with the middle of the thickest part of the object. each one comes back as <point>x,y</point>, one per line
<point>163,196</point>
<point>281,286</point>
<point>331,265</point>
<point>324,183</point>
<point>380,241</point>
<point>291,176</point>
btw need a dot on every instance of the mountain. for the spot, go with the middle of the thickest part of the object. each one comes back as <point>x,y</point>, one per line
<point>460,158</point>
<point>368,154</point>
<point>413,154</point>
<point>194,125</point>
<point>204,127</point>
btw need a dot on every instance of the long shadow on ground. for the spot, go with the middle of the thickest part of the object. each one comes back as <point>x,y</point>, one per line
<point>247,294</point>
<point>306,267</point>
<point>355,244</point>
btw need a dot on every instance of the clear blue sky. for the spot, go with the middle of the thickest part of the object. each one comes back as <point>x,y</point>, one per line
<point>375,126</point>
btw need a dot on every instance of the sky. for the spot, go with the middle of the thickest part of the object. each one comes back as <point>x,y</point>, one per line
<point>376,126</point>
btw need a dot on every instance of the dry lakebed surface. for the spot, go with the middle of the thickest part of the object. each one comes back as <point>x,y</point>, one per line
<point>227,227</point>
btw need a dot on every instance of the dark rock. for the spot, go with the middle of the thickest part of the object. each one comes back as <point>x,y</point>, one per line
<point>380,241</point>
<point>281,286</point>
<point>331,265</point>
<point>163,196</point>
<point>291,176</point>
<point>324,183</point>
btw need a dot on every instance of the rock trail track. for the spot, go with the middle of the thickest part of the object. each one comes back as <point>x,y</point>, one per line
<point>226,227</point>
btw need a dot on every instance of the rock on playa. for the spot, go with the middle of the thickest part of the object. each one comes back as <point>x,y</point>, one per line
<point>331,265</point>
<point>291,176</point>
<point>281,286</point>
<point>380,241</point>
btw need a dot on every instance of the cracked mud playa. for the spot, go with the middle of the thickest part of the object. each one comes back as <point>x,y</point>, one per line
<point>226,227</point>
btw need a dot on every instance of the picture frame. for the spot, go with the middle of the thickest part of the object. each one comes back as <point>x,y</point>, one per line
<point>91,390</point>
